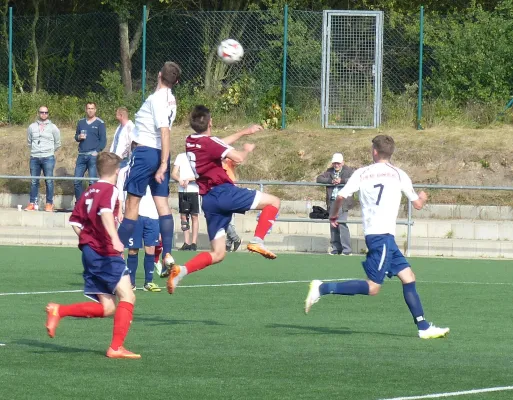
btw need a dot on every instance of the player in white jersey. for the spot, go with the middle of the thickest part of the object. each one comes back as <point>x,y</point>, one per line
<point>149,164</point>
<point>146,231</point>
<point>380,187</point>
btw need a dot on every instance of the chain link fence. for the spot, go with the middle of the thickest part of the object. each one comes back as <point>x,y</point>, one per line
<point>64,59</point>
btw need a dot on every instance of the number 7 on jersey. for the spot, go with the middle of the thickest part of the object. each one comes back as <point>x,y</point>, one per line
<point>380,186</point>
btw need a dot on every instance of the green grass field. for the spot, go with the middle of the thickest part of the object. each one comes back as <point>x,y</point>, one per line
<point>211,340</point>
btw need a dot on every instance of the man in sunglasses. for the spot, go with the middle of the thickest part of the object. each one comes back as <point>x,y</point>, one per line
<point>43,138</point>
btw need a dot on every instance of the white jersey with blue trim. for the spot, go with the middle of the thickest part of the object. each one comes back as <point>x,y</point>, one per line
<point>381,186</point>
<point>147,207</point>
<point>158,111</point>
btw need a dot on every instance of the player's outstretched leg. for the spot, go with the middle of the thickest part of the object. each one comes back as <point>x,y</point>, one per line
<point>201,261</point>
<point>269,205</point>
<point>347,288</point>
<point>54,313</point>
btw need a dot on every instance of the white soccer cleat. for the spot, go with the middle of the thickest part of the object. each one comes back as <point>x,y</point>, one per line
<point>169,261</point>
<point>158,267</point>
<point>313,295</point>
<point>433,332</point>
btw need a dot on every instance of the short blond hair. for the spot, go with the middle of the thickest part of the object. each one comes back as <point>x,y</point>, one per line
<point>107,163</point>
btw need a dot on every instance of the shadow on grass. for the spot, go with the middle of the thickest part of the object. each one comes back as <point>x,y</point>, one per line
<point>52,347</point>
<point>330,331</point>
<point>165,321</point>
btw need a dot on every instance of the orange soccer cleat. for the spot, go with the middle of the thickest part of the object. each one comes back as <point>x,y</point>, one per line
<point>49,207</point>
<point>121,352</point>
<point>260,249</point>
<point>176,275</point>
<point>30,207</point>
<point>52,318</point>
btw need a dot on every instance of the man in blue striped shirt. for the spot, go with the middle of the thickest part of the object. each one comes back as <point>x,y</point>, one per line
<point>92,138</point>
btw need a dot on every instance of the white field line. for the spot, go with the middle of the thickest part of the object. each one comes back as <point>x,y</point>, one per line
<point>257,284</point>
<point>454,394</point>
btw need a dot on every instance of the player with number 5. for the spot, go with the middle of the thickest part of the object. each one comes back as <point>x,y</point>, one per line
<point>380,187</point>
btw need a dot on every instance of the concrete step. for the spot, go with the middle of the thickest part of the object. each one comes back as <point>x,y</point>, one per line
<point>26,235</point>
<point>422,228</point>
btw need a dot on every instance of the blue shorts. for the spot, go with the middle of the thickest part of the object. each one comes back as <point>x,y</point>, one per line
<point>143,165</point>
<point>147,230</point>
<point>222,202</point>
<point>383,258</point>
<point>101,273</point>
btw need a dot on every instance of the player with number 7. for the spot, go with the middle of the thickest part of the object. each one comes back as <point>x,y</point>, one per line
<point>380,186</point>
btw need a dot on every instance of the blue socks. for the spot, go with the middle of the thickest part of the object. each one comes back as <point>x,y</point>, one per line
<point>347,288</point>
<point>126,230</point>
<point>148,267</point>
<point>411,297</point>
<point>132,263</point>
<point>167,230</point>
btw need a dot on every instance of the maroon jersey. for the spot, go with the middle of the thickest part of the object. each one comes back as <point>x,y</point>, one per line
<point>205,154</point>
<point>100,197</point>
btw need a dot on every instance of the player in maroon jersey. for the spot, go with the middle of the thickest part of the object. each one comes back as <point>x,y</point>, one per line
<point>220,197</point>
<point>105,273</point>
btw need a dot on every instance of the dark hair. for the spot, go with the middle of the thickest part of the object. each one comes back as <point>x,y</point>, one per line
<point>170,73</point>
<point>199,119</point>
<point>107,163</point>
<point>384,146</point>
<point>91,102</point>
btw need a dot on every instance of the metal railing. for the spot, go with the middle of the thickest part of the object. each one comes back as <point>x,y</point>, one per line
<point>261,184</point>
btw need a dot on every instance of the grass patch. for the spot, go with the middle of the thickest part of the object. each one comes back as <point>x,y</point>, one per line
<point>254,342</point>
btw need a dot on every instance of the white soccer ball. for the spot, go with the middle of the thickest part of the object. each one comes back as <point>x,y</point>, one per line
<point>230,51</point>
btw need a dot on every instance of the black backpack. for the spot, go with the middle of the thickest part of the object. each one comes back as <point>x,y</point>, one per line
<point>319,213</point>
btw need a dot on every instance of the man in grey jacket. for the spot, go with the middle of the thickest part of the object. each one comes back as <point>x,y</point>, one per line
<point>43,138</point>
<point>337,175</point>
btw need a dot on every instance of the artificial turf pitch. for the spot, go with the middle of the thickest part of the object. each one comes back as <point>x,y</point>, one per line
<point>254,341</point>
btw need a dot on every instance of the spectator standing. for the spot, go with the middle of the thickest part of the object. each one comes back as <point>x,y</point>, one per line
<point>92,138</point>
<point>188,200</point>
<point>43,138</point>
<point>338,175</point>
<point>123,136</point>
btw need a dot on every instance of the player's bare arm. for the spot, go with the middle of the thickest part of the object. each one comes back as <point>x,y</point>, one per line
<point>164,158</point>
<point>421,201</point>
<point>76,229</point>
<point>245,132</point>
<point>239,156</point>
<point>110,226</point>
<point>334,211</point>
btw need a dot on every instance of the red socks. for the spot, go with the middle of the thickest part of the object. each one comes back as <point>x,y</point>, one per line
<point>202,260</point>
<point>122,321</point>
<point>158,251</point>
<point>82,310</point>
<point>266,221</point>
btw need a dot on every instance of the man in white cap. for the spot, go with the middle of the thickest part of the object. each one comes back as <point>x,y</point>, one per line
<point>337,175</point>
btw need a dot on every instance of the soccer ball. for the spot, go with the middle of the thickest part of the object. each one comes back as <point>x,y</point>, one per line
<point>230,51</point>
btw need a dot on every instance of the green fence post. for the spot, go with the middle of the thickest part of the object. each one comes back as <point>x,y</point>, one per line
<point>9,97</point>
<point>421,61</point>
<point>143,75</point>
<point>284,72</point>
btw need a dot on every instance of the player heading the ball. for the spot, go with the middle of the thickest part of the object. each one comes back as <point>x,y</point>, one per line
<point>149,164</point>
